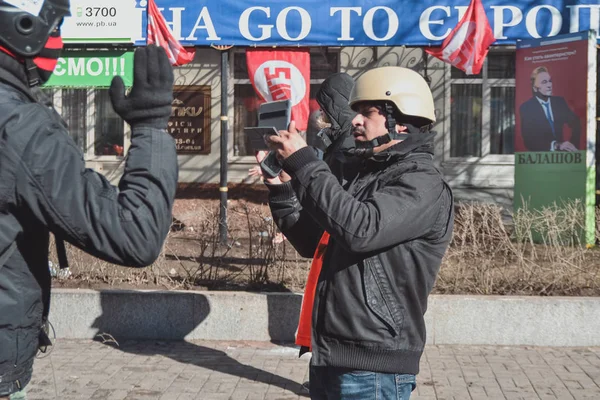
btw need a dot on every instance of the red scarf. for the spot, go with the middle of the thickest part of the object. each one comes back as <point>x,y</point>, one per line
<point>305,323</point>
<point>48,57</point>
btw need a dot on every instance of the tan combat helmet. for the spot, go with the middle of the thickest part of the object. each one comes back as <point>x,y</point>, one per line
<point>403,87</point>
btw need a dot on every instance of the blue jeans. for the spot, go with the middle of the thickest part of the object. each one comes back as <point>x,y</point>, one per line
<point>331,383</point>
<point>21,395</point>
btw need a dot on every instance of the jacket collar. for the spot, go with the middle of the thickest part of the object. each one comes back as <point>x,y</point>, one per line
<point>12,73</point>
<point>414,143</point>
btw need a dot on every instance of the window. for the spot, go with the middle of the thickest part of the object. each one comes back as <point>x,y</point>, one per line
<point>323,62</point>
<point>74,106</point>
<point>108,126</point>
<point>93,124</point>
<point>482,116</point>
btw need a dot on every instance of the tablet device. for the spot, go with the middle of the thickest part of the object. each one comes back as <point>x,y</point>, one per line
<point>257,136</point>
<point>273,116</point>
<point>276,114</point>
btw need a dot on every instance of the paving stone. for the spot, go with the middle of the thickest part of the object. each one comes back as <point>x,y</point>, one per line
<point>142,370</point>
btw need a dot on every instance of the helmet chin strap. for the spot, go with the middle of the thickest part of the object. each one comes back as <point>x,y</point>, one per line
<point>33,76</point>
<point>390,124</point>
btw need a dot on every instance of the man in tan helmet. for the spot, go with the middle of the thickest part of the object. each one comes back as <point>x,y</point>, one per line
<point>380,240</point>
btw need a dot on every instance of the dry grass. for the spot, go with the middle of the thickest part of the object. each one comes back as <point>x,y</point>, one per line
<point>537,253</point>
<point>541,254</point>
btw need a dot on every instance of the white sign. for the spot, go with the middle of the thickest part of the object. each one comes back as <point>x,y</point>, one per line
<point>107,21</point>
<point>280,80</point>
<point>31,6</point>
<point>95,66</point>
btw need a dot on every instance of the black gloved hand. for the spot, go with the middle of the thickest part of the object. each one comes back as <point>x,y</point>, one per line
<point>149,102</point>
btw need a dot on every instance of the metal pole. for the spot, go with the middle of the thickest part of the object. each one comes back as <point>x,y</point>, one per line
<point>224,146</point>
<point>425,71</point>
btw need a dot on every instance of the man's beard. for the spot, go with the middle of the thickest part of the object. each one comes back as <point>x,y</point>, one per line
<point>359,130</point>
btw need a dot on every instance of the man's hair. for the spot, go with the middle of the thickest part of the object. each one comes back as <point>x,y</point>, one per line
<point>535,74</point>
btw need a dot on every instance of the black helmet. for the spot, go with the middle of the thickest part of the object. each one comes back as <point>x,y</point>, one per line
<point>24,29</point>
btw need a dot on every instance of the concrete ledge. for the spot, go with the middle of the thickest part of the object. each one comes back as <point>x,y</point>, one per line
<point>514,321</point>
<point>177,315</point>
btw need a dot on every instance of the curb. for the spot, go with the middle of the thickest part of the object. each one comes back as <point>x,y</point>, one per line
<point>196,315</point>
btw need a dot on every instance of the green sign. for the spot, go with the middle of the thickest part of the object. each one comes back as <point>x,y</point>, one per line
<point>92,69</point>
<point>547,177</point>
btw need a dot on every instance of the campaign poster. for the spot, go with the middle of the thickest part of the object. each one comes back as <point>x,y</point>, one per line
<point>555,109</point>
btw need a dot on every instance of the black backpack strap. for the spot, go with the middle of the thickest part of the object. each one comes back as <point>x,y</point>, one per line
<point>61,252</point>
<point>44,340</point>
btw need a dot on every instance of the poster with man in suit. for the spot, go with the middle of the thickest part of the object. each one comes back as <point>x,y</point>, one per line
<point>545,117</point>
<point>555,130</point>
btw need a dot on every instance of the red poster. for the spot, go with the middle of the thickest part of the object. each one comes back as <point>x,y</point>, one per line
<point>280,75</point>
<point>551,97</point>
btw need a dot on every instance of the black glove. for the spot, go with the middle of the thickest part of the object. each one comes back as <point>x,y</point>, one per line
<point>149,102</point>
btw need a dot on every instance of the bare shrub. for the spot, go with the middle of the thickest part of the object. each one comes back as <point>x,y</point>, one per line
<point>267,259</point>
<point>492,252</point>
<point>543,254</point>
<point>91,271</point>
<point>208,260</point>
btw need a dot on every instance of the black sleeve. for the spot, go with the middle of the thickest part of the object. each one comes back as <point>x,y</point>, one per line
<point>403,209</point>
<point>293,221</point>
<point>125,225</point>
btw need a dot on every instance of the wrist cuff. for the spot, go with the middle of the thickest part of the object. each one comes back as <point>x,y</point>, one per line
<point>283,191</point>
<point>299,159</point>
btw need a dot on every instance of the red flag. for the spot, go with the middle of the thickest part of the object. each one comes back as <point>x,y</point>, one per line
<point>468,43</point>
<point>280,75</point>
<point>159,33</point>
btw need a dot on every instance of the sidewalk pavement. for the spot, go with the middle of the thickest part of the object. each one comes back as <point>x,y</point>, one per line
<point>249,370</point>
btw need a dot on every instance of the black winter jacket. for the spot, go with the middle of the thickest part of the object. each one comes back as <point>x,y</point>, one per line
<point>389,232</point>
<point>45,187</point>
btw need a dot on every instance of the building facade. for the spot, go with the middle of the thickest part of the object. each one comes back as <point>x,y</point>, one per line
<point>475,113</point>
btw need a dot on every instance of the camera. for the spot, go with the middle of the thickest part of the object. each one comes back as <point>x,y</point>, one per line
<point>272,117</point>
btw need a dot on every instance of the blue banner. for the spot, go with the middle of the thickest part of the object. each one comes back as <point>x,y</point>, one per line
<point>573,37</point>
<point>362,23</point>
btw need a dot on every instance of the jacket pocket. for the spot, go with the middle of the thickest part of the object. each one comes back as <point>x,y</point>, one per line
<point>27,345</point>
<point>379,298</point>
<point>8,350</point>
